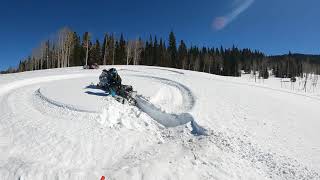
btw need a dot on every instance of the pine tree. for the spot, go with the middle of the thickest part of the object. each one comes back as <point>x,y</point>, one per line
<point>95,53</point>
<point>156,52</point>
<point>182,54</point>
<point>117,56</point>
<point>104,50</point>
<point>161,53</point>
<point>148,54</point>
<point>121,51</point>
<point>111,49</point>
<point>78,52</point>
<point>172,50</point>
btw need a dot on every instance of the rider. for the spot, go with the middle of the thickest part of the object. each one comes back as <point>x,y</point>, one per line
<point>114,80</point>
<point>110,80</point>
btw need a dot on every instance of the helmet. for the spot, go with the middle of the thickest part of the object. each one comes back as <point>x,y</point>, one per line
<point>113,72</point>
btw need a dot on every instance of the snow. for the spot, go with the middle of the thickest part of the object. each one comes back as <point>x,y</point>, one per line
<point>188,125</point>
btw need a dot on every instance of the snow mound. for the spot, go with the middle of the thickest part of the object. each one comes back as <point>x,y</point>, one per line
<point>169,119</point>
<point>117,115</point>
<point>166,119</point>
<point>169,92</point>
<point>168,98</point>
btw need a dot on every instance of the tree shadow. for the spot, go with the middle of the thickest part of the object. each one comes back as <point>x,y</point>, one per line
<point>91,86</point>
<point>94,87</point>
<point>97,93</point>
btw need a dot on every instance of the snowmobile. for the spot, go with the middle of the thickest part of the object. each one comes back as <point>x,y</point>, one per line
<point>110,82</point>
<point>92,66</point>
<point>126,94</point>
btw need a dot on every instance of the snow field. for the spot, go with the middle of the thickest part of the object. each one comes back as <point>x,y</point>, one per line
<point>189,125</point>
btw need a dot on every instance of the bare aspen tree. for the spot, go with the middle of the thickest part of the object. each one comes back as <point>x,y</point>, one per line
<point>47,50</point>
<point>315,82</point>
<point>184,63</point>
<point>36,56</point>
<point>305,82</point>
<point>105,50</point>
<point>207,63</point>
<point>204,64</point>
<point>44,54</point>
<point>306,69</point>
<point>130,47</point>
<point>42,50</point>
<point>113,50</point>
<point>86,45</point>
<point>254,69</point>
<point>58,50</point>
<point>64,46</point>
<point>196,66</point>
<point>70,45</point>
<point>33,61</point>
<point>210,62</point>
<point>52,45</point>
<point>138,47</point>
<point>190,62</point>
<point>184,60</point>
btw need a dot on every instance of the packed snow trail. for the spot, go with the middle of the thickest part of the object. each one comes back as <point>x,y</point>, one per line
<point>53,125</point>
<point>167,119</point>
<point>62,105</point>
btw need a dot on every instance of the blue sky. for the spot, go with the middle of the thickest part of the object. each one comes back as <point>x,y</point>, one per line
<point>272,26</point>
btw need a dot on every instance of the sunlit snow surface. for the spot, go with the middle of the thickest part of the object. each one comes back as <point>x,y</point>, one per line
<point>55,125</point>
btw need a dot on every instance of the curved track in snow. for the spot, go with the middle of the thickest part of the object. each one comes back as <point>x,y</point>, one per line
<point>166,119</point>
<point>60,104</point>
<point>187,95</point>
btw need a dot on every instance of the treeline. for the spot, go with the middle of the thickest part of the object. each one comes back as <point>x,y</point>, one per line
<point>294,65</point>
<point>68,49</point>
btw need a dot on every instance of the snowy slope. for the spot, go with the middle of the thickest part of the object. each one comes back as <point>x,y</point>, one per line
<point>188,125</point>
